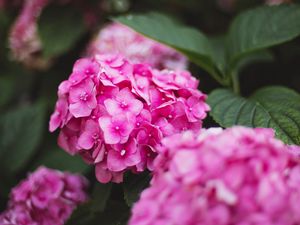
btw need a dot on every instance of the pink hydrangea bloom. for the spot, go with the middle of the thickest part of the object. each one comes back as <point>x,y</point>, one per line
<point>118,39</point>
<point>113,113</point>
<point>46,197</point>
<point>237,176</point>
<point>277,2</point>
<point>24,40</point>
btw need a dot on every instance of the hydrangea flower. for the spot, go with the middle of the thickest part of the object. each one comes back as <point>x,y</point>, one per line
<point>46,197</point>
<point>237,176</point>
<point>277,2</point>
<point>118,39</point>
<point>113,113</point>
<point>24,40</point>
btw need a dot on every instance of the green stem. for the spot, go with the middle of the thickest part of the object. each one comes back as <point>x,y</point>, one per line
<point>235,83</point>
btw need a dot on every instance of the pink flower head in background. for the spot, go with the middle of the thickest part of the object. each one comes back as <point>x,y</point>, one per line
<point>113,113</point>
<point>46,197</point>
<point>24,40</point>
<point>277,2</point>
<point>118,39</point>
<point>237,176</point>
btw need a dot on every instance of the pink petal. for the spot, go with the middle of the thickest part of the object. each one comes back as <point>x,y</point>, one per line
<point>115,162</point>
<point>86,140</point>
<point>136,106</point>
<point>110,136</point>
<point>80,109</point>
<point>102,175</point>
<point>133,159</point>
<point>112,107</point>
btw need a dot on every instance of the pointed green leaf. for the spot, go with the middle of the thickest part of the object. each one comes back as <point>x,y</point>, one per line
<point>187,40</point>
<point>263,27</point>
<point>274,107</point>
<point>133,185</point>
<point>58,159</point>
<point>59,29</point>
<point>20,133</point>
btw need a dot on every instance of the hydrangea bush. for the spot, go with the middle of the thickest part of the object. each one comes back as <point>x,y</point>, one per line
<point>129,124</point>
<point>114,113</point>
<point>233,176</point>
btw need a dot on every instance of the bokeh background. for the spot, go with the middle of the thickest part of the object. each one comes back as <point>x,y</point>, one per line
<point>28,84</point>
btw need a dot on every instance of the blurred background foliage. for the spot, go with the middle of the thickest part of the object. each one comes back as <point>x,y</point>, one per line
<point>28,92</point>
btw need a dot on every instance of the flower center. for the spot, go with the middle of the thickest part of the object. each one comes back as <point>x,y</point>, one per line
<point>117,128</point>
<point>88,72</point>
<point>95,136</point>
<point>84,96</point>
<point>123,104</point>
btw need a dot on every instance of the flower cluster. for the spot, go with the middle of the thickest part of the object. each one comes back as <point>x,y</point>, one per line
<point>118,39</point>
<point>239,176</point>
<point>113,112</point>
<point>24,40</point>
<point>46,197</point>
<point>277,2</point>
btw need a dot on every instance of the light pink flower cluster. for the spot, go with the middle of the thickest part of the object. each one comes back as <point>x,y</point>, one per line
<point>118,39</point>
<point>277,2</point>
<point>46,197</point>
<point>113,112</point>
<point>239,176</point>
<point>24,40</point>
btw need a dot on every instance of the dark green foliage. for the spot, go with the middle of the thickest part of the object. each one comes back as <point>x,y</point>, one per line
<point>274,107</point>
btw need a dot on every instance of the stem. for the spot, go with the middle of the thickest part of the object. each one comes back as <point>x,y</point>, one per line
<point>235,83</point>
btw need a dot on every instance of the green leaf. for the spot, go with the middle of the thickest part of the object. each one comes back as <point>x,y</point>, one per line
<point>59,29</point>
<point>58,159</point>
<point>100,196</point>
<point>115,213</point>
<point>186,40</point>
<point>7,89</point>
<point>20,134</point>
<point>219,53</point>
<point>262,27</point>
<point>133,185</point>
<point>273,107</point>
<point>254,57</point>
<point>88,213</point>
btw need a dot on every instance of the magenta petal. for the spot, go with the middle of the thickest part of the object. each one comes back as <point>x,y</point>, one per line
<point>133,159</point>
<point>112,107</point>
<point>110,136</point>
<point>55,121</point>
<point>102,175</point>
<point>85,140</point>
<point>136,106</point>
<point>115,162</point>
<point>79,110</point>
<point>92,103</point>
